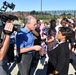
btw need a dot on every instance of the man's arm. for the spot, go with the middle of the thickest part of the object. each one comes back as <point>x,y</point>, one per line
<point>36,48</point>
<point>21,45</point>
<point>5,46</point>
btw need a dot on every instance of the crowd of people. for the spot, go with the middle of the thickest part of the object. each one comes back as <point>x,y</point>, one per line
<point>36,40</point>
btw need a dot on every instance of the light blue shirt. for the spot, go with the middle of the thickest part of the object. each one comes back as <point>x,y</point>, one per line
<point>24,39</point>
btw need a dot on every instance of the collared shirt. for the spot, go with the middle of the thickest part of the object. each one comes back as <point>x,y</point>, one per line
<point>58,44</point>
<point>24,38</point>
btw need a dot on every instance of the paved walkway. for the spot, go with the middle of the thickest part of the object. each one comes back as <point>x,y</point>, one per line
<point>40,69</point>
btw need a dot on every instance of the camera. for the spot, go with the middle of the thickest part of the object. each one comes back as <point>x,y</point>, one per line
<point>7,5</point>
<point>7,17</point>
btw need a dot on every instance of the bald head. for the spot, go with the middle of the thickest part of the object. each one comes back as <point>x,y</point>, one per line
<point>29,19</point>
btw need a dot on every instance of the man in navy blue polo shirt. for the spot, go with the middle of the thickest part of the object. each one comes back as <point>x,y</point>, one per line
<point>25,45</point>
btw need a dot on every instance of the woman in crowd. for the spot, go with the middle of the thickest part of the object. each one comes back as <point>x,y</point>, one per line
<point>51,41</point>
<point>58,63</point>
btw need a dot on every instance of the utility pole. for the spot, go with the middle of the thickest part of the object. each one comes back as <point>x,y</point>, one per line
<point>41,9</point>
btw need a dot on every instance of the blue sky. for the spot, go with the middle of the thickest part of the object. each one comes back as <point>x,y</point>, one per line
<point>47,5</point>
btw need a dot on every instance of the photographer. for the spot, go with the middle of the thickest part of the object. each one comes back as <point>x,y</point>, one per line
<point>4,47</point>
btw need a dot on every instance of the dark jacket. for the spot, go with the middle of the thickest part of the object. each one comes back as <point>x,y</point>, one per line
<point>59,58</point>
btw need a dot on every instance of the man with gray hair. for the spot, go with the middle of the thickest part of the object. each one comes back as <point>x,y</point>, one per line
<point>25,45</point>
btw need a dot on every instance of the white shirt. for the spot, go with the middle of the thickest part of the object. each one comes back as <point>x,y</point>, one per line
<point>57,27</point>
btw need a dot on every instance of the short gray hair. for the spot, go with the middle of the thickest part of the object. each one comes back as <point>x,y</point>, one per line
<point>28,19</point>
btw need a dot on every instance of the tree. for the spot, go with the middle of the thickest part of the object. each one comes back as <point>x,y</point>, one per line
<point>33,12</point>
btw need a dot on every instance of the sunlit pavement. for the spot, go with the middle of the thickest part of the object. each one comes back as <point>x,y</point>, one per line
<point>40,69</point>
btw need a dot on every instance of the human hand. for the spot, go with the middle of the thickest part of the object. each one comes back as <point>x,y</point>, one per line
<point>37,47</point>
<point>56,72</point>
